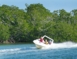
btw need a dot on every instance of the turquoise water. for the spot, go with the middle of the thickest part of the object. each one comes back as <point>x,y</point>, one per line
<point>29,51</point>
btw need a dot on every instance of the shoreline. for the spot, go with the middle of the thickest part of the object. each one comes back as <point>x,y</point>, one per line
<point>13,43</point>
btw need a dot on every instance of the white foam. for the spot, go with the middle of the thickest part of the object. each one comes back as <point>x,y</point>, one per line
<point>9,50</point>
<point>68,44</point>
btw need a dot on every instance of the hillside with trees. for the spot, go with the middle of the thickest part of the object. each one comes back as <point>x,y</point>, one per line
<point>18,25</point>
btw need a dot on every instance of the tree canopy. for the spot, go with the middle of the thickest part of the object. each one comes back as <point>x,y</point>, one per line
<point>35,21</point>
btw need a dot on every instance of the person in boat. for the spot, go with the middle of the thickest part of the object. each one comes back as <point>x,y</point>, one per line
<point>49,41</point>
<point>46,42</point>
<point>41,40</point>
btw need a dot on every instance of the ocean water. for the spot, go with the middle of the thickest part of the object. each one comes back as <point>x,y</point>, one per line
<point>65,50</point>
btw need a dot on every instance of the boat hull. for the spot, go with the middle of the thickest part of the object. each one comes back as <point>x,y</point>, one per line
<point>41,45</point>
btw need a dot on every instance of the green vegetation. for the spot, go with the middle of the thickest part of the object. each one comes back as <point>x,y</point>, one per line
<point>18,25</point>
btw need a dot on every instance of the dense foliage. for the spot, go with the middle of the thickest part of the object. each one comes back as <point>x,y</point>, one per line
<point>26,25</point>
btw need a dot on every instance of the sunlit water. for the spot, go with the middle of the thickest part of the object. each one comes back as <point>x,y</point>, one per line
<point>66,50</point>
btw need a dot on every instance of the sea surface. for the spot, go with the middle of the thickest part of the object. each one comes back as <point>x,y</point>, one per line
<point>65,50</point>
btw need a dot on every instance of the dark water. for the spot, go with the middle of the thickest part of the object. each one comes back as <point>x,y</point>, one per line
<point>29,51</point>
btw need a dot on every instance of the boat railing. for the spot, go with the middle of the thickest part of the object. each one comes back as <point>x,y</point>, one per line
<point>48,37</point>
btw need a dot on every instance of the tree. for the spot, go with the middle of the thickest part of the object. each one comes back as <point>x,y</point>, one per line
<point>39,16</point>
<point>4,32</point>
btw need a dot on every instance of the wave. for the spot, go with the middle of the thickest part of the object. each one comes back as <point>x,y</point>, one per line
<point>17,50</point>
<point>9,50</point>
<point>68,44</point>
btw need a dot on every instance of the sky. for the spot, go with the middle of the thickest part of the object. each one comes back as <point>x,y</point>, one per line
<point>51,5</point>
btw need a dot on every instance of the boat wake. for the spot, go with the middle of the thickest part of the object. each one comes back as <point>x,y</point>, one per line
<point>68,44</point>
<point>30,49</point>
<point>9,50</point>
<point>16,50</point>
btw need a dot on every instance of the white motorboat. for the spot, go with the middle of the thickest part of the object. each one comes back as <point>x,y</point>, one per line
<point>42,45</point>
